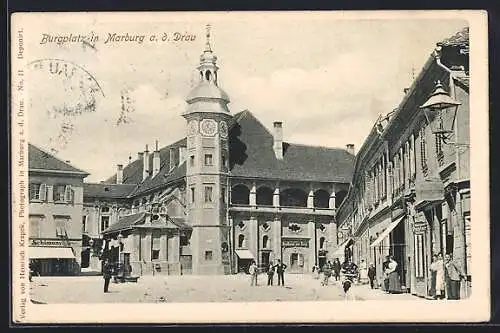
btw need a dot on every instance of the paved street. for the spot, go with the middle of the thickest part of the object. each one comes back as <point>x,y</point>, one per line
<point>191,288</point>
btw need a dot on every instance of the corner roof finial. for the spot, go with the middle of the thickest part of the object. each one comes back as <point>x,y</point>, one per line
<point>207,45</point>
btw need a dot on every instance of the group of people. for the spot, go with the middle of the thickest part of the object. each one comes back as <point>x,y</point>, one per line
<point>328,270</point>
<point>278,268</point>
<point>446,276</point>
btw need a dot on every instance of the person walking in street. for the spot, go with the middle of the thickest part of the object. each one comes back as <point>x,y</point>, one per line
<point>270,274</point>
<point>393,276</point>
<point>385,269</point>
<point>437,277</point>
<point>106,274</point>
<point>336,269</point>
<point>253,270</point>
<point>454,274</point>
<point>280,269</point>
<point>371,274</point>
<point>327,272</point>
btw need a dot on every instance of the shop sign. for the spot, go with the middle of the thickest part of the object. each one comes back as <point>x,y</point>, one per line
<point>295,242</point>
<point>47,242</point>
<point>420,227</point>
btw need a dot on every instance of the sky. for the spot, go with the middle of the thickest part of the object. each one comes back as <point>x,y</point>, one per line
<point>326,77</point>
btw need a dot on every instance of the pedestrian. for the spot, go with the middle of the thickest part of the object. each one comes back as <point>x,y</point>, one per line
<point>454,274</point>
<point>106,274</point>
<point>437,277</point>
<point>363,271</point>
<point>372,272</point>
<point>336,269</point>
<point>394,286</point>
<point>385,269</point>
<point>348,292</point>
<point>270,274</point>
<point>280,269</point>
<point>327,272</point>
<point>253,270</point>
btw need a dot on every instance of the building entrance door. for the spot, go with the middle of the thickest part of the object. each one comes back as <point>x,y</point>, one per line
<point>265,260</point>
<point>296,262</point>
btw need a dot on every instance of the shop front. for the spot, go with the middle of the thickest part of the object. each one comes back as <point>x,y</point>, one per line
<point>245,258</point>
<point>52,258</point>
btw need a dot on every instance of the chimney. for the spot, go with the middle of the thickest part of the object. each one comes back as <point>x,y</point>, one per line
<point>350,148</point>
<point>172,163</point>
<point>139,155</point>
<point>156,160</point>
<point>119,174</point>
<point>278,139</point>
<point>182,154</point>
<point>145,164</point>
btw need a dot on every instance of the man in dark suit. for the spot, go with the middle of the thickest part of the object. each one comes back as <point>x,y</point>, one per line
<point>280,269</point>
<point>106,274</point>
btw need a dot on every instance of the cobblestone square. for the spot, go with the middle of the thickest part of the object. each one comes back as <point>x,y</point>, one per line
<point>193,288</point>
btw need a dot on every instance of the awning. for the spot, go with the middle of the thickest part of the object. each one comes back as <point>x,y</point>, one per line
<point>340,251</point>
<point>245,254</point>
<point>38,252</point>
<point>387,231</point>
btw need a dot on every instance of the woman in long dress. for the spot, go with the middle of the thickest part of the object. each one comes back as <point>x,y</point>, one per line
<point>393,276</point>
<point>437,276</point>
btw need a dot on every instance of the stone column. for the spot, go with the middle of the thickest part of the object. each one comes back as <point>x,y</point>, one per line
<point>253,241</point>
<point>276,244</point>
<point>146,252</point>
<point>164,246</point>
<point>331,202</point>
<point>276,197</point>
<point>311,232</point>
<point>310,199</point>
<point>253,195</point>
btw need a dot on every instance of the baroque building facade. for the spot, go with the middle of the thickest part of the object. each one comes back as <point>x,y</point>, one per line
<point>410,193</point>
<point>229,192</point>
<point>55,212</point>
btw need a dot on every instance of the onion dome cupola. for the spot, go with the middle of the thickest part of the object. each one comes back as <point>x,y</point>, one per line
<point>208,89</point>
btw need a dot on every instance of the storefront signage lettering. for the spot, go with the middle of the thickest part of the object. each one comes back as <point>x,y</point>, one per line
<point>47,242</point>
<point>295,242</point>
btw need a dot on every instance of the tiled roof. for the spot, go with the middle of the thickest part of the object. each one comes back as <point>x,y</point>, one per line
<point>102,190</point>
<point>41,160</point>
<point>252,155</point>
<point>461,39</point>
<point>126,222</point>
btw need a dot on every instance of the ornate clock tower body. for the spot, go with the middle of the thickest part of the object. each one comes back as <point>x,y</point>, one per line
<point>207,168</point>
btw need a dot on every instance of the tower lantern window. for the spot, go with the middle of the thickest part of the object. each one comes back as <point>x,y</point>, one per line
<point>208,75</point>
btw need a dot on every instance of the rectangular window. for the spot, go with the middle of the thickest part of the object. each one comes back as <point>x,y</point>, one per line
<point>224,161</point>
<point>84,223</point>
<point>208,193</point>
<point>192,194</point>
<point>61,225</point>
<point>59,192</point>
<point>104,223</point>
<point>223,195</point>
<point>208,255</point>
<point>191,160</point>
<point>155,245</point>
<point>38,192</point>
<point>419,256</point>
<point>35,226</point>
<point>208,159</point>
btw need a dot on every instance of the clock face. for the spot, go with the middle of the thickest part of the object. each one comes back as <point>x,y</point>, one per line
<point>192,127</point>
<point>208,127</point>
<point>223,129</point>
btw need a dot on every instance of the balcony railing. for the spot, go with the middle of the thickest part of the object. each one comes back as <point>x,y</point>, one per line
<point>282,209</point>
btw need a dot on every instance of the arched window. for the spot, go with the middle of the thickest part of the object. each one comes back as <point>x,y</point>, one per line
<point>208,75</point>
<point>322,242</point>
<point>339,197</point>
<point>105,209</point>
<point>264,196</point>
<point>264,241</point>
<point>293,197</point>
<point>241,240</point>
<point>321,199</point>
<point>240,195</point>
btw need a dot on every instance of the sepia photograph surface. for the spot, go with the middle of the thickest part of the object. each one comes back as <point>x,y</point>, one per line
<point>250,167</point>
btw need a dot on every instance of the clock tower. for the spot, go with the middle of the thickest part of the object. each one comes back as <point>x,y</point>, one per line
<point>207,166</point>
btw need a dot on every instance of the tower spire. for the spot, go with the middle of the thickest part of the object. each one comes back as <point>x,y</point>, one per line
<point>207,44</point>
